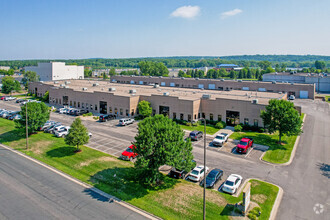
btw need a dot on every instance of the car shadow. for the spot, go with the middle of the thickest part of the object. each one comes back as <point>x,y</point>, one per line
<point>325,169</point>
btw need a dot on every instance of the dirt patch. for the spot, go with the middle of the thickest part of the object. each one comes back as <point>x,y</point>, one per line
<point>39,146</point>
<point>102,159</point>
<point>180,197</point>
<point>259,198</point>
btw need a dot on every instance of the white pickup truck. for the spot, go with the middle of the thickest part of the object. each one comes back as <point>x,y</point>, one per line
<point>220,139</point>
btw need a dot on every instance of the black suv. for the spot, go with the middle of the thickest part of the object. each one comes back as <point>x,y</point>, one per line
<point>107,117</point>
<point>196,135</point>
<point>180,174</point>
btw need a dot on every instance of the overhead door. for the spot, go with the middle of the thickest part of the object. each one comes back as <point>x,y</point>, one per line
<point>262,89</point>
<point>162,84</point>
<point>211,86</point>
<point>172,84</point>
<point>303,94</point>
<point>246,88</point>
<point>132,82</point>
<point>141,82</point>
<point>201,86</point>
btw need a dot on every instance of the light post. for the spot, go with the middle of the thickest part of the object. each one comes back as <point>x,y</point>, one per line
<point>204,182</point>
<point>26,119</point>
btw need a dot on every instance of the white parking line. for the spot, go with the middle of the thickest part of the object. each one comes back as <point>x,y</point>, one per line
<point>251,149</point>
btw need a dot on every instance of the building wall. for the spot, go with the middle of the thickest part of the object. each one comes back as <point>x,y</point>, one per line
<point>4,68</point>
<point>322,84</point>
<point>220,85</point>
<point>57,71</point>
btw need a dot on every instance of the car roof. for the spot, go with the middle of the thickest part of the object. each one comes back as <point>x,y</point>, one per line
<point>216,171</point>
<point>245,139</point>
<point>199,168</point>
<point>194,132</point>
<point>232,178</point>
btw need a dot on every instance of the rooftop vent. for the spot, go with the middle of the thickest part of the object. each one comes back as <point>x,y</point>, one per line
<point>132,91</point>
<point>112,89</point>
<point>67,82</point>
<point>84,89</point>
<point>255,101</point>
<point>206,96</point>
<point>222,80</point>
<point>55,82</point>
<point>182,77</point>
<point>197,78</point>
<point>114,81</point>
<point>166,93</point>
<point>95,84</point>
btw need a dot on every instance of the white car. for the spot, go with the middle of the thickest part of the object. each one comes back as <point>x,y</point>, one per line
<point>232,183</point>
<point>291,97</point>
<point>220,139</point>
<point>62,132</point>
<point>126,121</point>
<point>10,98</point>
<point>198,173</point>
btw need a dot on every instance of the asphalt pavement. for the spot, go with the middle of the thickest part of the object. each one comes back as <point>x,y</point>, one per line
<point>31,191</point>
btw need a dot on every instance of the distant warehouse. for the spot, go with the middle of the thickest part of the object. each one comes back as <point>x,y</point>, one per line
<point>57,71</point>
<point>232,106</point>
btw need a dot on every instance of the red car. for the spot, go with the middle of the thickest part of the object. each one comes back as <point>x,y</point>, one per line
<point>128,154</point>
<point>244,145</point>
<point>3,97</point>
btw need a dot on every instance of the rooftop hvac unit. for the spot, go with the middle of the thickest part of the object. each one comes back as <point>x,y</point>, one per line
<point>66,87</point>
<point>156,86</point>
<point>222,80</point>
<point>131,91</point>
<point>112,89</point>
<point>67,82</point>
<point>55,82</point>
<point>255,101</point>
<point>95,84</point>
<point>84,89</point>
<point>206,96</point>
<point>166,93</point>
<point>62,85</point>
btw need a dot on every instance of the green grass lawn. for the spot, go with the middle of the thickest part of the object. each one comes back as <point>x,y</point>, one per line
<point>210,129</point>
<point>175,199</point>
<point>327,98</point>
<point>276,153</point>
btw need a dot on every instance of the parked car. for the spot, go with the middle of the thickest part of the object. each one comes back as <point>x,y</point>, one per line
<point>62,110</point>
<point>80,112</point>
<point>128,154</point>
<point>108,117</point>
<point>46,125</point>
<point>291,97</point>
<point>12,113</point>
<point>232,183</point>
<point>9,98</point>
<point>198,173</point>
<point>196,135</point>
<point>5,113</point>
<point>15,117</point>
<point>52,127</point>
<point>220,139</point>
<point>3,97</point>
<point>63,131</point>
<point>212,178</point>
<point>20,100</point>
<point>244,145</point>
<point>179,173</point>
<point>126,121</point>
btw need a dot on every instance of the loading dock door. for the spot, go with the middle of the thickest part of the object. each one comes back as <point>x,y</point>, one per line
<point>172,84</point>
<point>246,88</point>
<point>162,84</point>
<point>303,94</point>
<point>211,86</point>
<point>262,89</point>
<point>132,82</point>
<point>141,82</point>
<point>201,86</point>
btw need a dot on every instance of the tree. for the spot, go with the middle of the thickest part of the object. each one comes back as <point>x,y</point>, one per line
<point>112,72</point>
<point>9,84</point>
<point>30,76</point>
<point>281,116</point>
<point>144,108</point>
<point>319,65</point>
<point>38,114</point>
<point>78,134</point>
<point>45,98</point>
<point>160,141</point>
<point>105,76</point>
<point>87,73</point>
<point>233,74</point>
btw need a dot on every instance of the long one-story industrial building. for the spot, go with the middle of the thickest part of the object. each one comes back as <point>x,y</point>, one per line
<point>303,91</point>
<point>234,106</point>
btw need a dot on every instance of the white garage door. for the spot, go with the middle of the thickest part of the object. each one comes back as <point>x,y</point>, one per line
<point>246,88</point>
<point>303,94</point>
<point>201,86</point>
<point>162,83</point>
<point>172,84</point>
<point>211,86</point>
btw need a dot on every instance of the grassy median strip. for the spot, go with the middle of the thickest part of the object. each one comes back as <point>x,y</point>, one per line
<point>276,153</point>
<point>210,129</point>
<point>175,199</point>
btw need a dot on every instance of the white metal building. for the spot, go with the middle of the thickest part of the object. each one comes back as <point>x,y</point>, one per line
<point>57,71</point>
<point>4,68</point>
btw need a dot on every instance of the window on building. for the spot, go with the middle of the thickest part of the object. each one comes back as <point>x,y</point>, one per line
<point>78,104</point>
<point>211,116</point>
<point>203,115</point>
<point>74,104</point>
<point>132,113</point>
<point>127,112</point>
<point>91,107</point>
<point>199,115</point>
<point>174,115</point>
<point>82,105</point>
<point>116,111</point>
<point>153,112</point>
<point>110,109</point>
<point>95,107</point>
<point>60,101</point>
<point>181,116</point>
<point>189,117</point>
<point>195,116</point>
<point>56,100</point>
<point>70,103</point>
<point>255,122</point>
<point>121,111</point>
<point>219,117</point>
<point>246,121</point>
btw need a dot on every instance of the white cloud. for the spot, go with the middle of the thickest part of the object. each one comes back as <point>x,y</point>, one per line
<point>227,14</point>
<point>186,11</point>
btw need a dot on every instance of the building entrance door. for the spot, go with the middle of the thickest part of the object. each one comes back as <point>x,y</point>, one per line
<point>65,100</point>
<point>103,107</point>
<point>165,110</point>
<point>232,118</point>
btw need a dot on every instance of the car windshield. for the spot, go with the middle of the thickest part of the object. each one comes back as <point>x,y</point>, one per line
<point>229,183</point>
<point>211,176</point>
<point>243,143</point>
<point>129,150</point>
<point>195,172</point>
<point>219,137</point>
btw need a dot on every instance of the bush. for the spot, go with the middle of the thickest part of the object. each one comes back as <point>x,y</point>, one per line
<point>252,216</point>
<point>238,128</point>
<point>261,130</point>
<point>188,124</point>
<point>87,114</point>
<point>220,125</point>
<point>96,118</point>
<point>254,213</point>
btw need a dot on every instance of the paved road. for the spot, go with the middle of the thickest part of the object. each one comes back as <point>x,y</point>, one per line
<point>305,182</point>
<point>30,191</point>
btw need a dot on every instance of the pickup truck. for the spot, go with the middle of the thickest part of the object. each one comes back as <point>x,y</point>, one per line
<point>220,139</point>
<point>244,145</point>
<point>128,154</point>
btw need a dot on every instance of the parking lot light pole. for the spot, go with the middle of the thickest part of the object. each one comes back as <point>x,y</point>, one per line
<point>204,202</point>
<point>26,120</point>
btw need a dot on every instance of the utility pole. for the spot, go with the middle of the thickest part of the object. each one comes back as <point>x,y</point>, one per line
<point>204,202</point>
<point>26,119</point>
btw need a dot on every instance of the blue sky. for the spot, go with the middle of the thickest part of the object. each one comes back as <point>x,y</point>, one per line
<point>54,29</point>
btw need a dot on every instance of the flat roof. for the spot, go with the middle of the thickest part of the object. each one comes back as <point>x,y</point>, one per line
<point>298,74</point>
<point>181,93</point>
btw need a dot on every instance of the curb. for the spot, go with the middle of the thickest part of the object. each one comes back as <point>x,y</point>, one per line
<point>293,152</point>
<point>98,191</point>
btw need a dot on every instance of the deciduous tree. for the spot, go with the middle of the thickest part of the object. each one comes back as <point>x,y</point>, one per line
<point>78,134</point>
<point>144,108</point>
<point>9,84</point>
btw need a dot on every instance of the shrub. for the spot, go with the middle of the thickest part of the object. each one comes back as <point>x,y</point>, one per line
<point>261,130</point>
<point>252,216</point>
<point>188,124</point>
<point>246,127</point>
<point>96,118</point>
<point>88,114</point>
<point>238,128</point>
<point>220,125</point>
